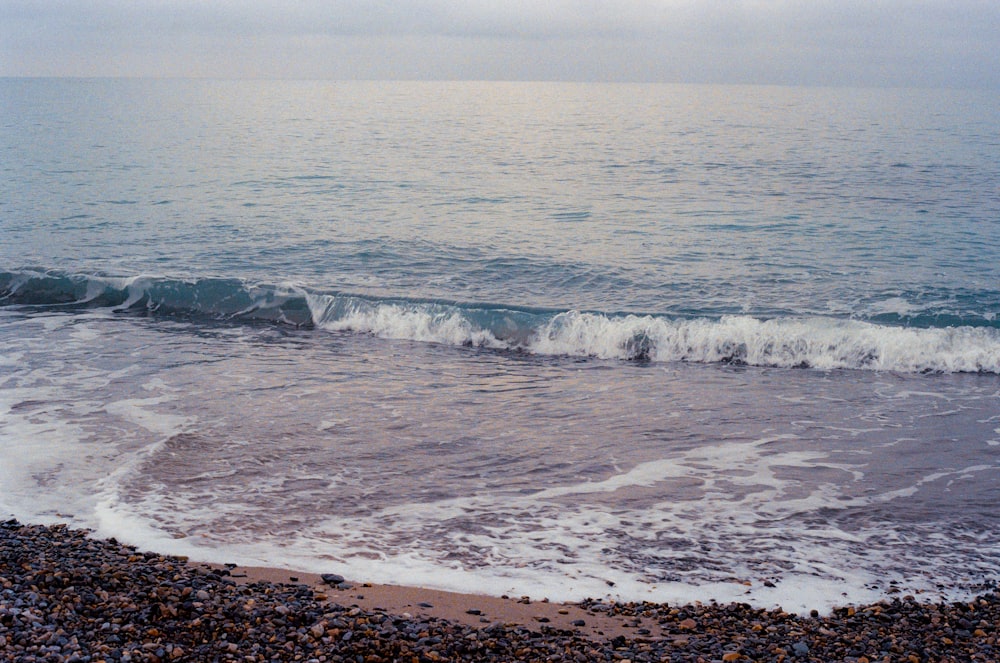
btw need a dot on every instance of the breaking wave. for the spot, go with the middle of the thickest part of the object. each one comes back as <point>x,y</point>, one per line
<point>805,342</point>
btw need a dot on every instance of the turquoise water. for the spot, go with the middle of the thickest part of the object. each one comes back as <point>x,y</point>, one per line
<point>510,337</point>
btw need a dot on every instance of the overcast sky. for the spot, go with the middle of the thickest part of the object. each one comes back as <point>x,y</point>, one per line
<point>952,43</point>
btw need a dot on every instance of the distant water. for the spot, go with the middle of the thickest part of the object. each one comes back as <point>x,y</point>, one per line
<point>650,342</point>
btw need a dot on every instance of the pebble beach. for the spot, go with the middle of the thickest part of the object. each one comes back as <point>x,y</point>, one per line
<point>65,596</point>
<point>736,345</point>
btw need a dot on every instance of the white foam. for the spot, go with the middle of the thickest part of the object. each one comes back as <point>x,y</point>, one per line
<point>821,343</point>
<point>395,321</point>
<point>561,544</point>
<point>112,518</point>
<point>729,535</point>
<point>136,411</point>
<point>38,446</point>
<point>9,358</point>
<point>894,305</point>
<point>136,288</point>
<point>61,442</point>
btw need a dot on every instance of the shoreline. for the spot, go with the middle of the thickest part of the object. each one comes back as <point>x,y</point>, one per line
<point>65,597</point>
<point>592,618</point>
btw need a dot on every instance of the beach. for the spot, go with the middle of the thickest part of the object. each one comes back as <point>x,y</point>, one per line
<point>67,597</point>
<point>692,362</point>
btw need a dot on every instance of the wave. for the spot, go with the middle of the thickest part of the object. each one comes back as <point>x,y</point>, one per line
<point>206,297</point>
<point>802,342</point>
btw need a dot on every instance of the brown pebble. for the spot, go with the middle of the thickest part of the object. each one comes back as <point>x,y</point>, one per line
<point>145,608</point>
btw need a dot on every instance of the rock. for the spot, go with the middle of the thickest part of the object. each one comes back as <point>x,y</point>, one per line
<point>332,579</point>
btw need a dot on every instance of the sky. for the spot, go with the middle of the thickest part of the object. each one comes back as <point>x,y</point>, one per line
<point>897,43</point>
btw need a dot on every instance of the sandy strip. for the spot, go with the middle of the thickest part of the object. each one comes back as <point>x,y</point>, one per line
<point>470,609</point>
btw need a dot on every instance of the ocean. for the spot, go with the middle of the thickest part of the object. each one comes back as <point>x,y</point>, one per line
<point>645,342</point>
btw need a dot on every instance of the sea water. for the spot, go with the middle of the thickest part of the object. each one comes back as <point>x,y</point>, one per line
<point>645,342</point>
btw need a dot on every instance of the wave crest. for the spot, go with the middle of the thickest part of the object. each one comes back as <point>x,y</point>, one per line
<point>822,343</point>
<point>814,342</point>
<point>416,322</point>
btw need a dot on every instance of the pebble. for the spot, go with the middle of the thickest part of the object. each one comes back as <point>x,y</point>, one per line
<point>332,579</point>
<point>66,597</point>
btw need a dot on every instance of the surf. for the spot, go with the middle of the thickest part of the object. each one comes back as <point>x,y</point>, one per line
<point>813,342</point>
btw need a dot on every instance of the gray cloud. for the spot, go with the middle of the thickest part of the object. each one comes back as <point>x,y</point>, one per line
<point>826,42</point>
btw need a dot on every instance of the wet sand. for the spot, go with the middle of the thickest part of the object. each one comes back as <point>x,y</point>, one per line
<point>469,609</point>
